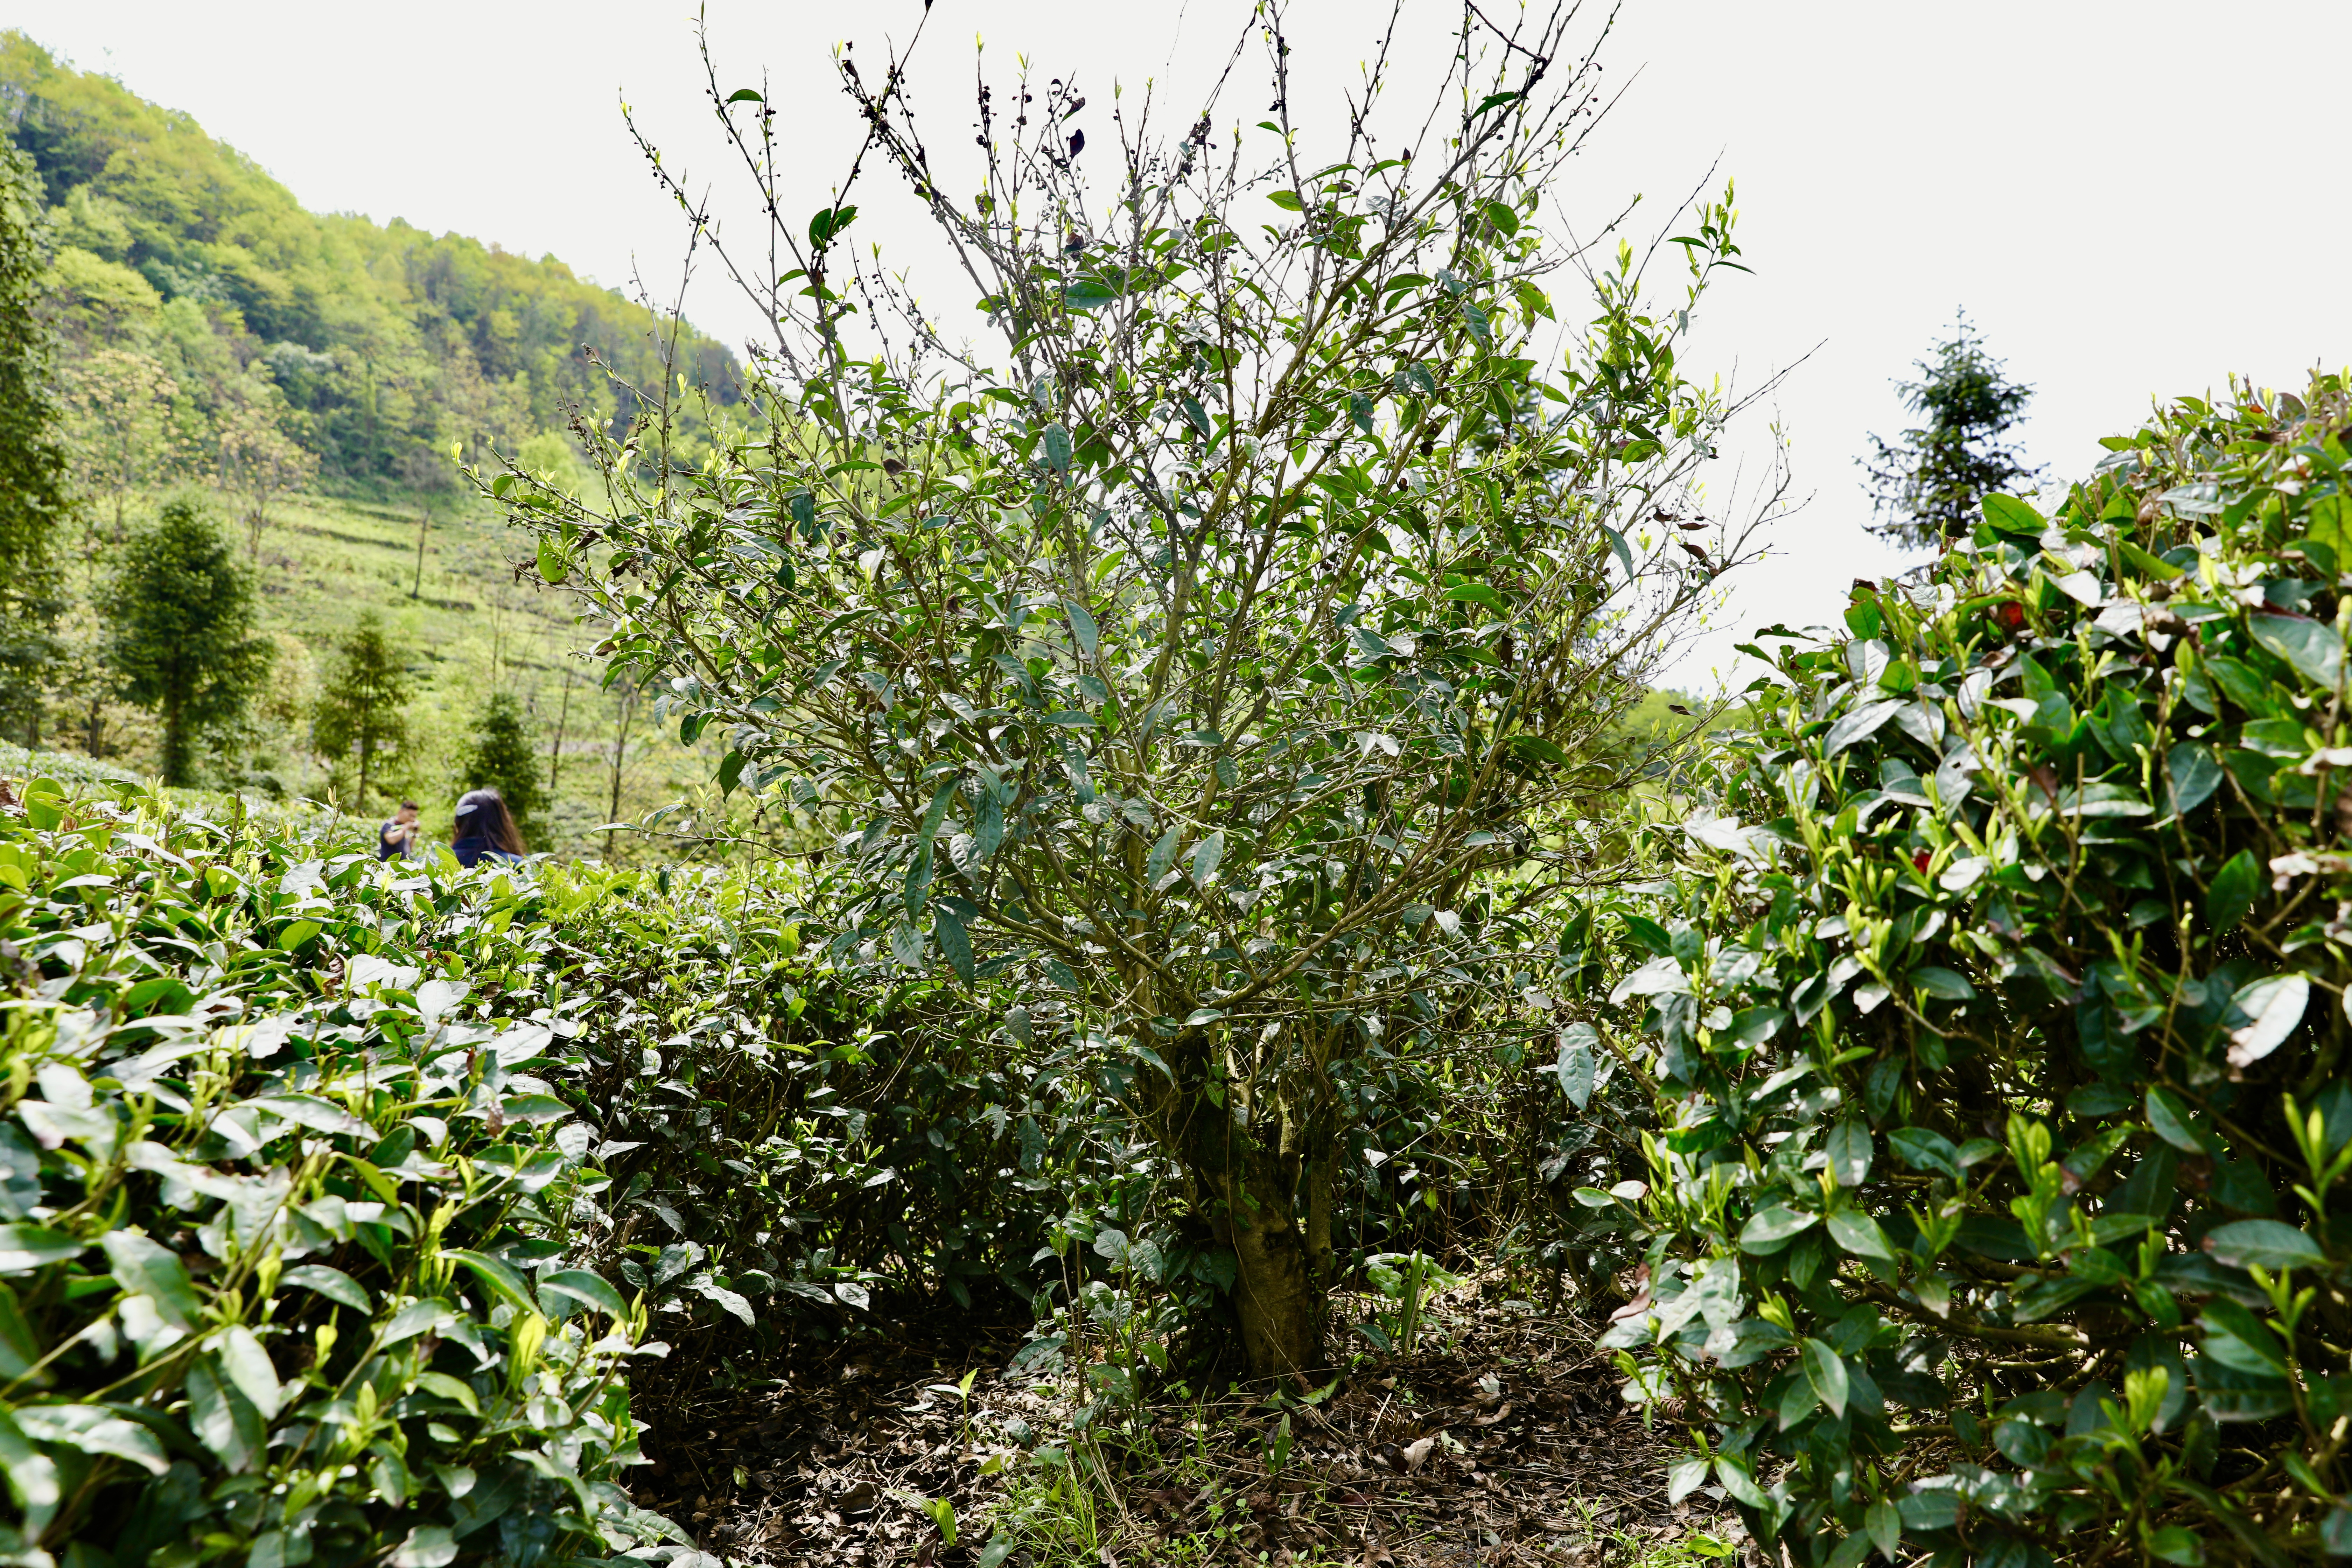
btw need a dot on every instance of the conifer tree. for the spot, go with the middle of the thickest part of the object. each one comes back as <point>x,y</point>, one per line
<point>360,716</point>
<point>1927,484</point>
<point>505,758</point>
<point>33,490</point>
<point>184,638</point>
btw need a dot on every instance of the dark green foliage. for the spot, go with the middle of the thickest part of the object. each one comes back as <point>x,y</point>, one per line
<point>1998,1014</point>
<point>505,758</point>
<point>1215,689</point>
<point>361,718</point>
<point>1926,486</point>
<point>270,1285</point>
<point>182,617</point>
<point>387,342</point>
<point>33,494</point>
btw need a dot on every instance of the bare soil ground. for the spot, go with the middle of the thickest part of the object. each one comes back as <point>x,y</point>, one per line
<point>1503,1441</point>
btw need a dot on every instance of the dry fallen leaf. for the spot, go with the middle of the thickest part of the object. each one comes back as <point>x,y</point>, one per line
<point>1416,1453</point>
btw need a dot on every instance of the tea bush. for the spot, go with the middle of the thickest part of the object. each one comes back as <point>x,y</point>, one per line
<point>1997,1008</point>
<point>342,1198</point>
<point>275,1202</point>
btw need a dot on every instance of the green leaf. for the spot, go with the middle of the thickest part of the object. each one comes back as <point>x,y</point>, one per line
<point>296,934</point>
<point>144,1269</point>
<point>1768,1230</point>
<point>1474,593</point>
<point>745,95</point>
<point>730,772</point>
<point>1206,857</point>
<point>32,1475</point>
<point>92,1429</point>
<point>1494,101</point>
<point>2311,646</point>
<point>1825,1371</point>
<point>2232,892</point>
<point>25,1247</point>
<point>2012,515</point>
<point>247,1366</point>
<point>1737,1481</point>
<point>2274,1007</point>
<point>1859,1234</point>
<point>454,1390</point>
<point>552,564</point>
<point>1162,856</point>
<point>1941,982</point>
<point>1286,200</point>
<point>2264,1241</point>
<point>1849,1151</point>
<point>1923,1150</point>
<point>1618,547</point>
<point>2148,565</point>
<point>828,223</point>
<point>1650,934</point>
<point>332,1283</point>
<point>2191,777</point>
<point>955,941</point>
<point>1578,1063</point>
<point>1885,1524</point>
<point>581,1285</point>
<point>2170,1119</point>
<point>500,1276</point>
<point>1083,630</point>
<point>1057,448</point>
<point>1541,749</point>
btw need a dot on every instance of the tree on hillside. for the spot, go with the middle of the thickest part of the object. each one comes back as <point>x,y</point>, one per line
<point>259,461</point>
<point>379,336</point>
<point>1213,683</point>
<point>431,478</point>
<point>1928,485</point>
<point>182,617</point>
<point>361,719</point>
<point>119,412</point>
<point>504,758</point>
<point>33,488</point>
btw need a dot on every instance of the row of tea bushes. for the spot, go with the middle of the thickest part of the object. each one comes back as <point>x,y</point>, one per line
<point>1998,1011</point>
<point>287,1272</point>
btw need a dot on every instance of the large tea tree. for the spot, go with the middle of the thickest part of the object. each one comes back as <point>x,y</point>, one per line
<point>1214,673</point>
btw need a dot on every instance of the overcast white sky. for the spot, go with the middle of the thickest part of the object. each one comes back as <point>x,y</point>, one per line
<point>2131,199</point>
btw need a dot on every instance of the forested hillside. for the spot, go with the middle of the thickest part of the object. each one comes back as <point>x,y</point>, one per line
<point>214,324</point>
<point>193,336</point>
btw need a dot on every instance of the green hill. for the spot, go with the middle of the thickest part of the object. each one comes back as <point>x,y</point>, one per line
<point>309,374</point>
<point>372,347</point>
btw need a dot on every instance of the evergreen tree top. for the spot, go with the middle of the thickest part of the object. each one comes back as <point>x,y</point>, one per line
<point>1928,484</point>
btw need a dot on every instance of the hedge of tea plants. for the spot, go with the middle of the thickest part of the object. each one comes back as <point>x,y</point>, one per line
<point>344,1208</point>
<point>1998,1008</point>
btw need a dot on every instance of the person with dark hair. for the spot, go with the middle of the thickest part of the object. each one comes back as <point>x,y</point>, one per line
<point>397,839</point>
<point>485,829</point>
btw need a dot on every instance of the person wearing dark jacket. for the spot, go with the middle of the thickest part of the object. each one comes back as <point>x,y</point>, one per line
<point>485,829</point>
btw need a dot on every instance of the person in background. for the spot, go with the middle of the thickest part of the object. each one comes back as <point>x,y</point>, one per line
<point>397,839</point>
<point>485,829</point>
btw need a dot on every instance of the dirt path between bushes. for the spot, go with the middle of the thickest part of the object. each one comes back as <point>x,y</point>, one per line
<point>1501,1442</point>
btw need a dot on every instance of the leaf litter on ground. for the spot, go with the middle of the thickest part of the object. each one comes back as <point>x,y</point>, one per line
<point>1503,1442</point>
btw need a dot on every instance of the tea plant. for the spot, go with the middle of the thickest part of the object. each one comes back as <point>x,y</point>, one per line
<point>1996,1006</point>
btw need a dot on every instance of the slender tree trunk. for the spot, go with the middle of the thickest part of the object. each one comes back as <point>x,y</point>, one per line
<point>423,522</point>
<point>555,752</point>
<point>367,760</point>
<point>175,742</point>
<point>620,750</point>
